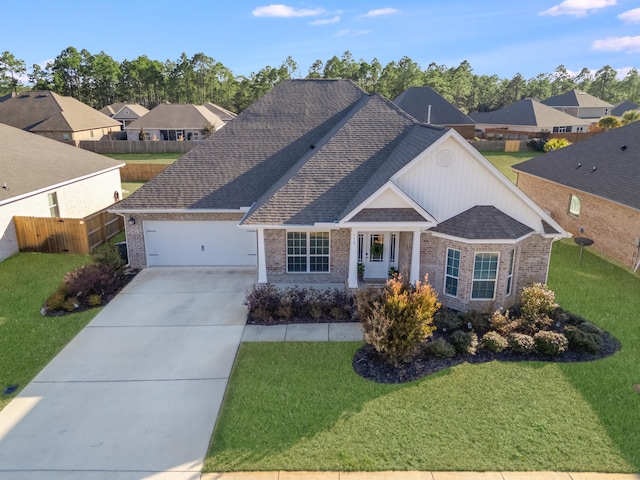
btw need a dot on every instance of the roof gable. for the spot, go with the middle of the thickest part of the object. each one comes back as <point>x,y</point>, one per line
<point>30,163</point>
<point>170,116</point>
<point>426,105</point>
<point>599,165</point>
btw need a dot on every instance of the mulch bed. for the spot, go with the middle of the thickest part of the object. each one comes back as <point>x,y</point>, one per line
<point>369,364</point>
<point>129,275</point>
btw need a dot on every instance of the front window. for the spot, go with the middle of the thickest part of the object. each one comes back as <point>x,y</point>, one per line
<point>512,256</point>
<point>485,273</point>
<point>54,211</point>
<point>452,273</point>
<point>307,252</point>
<point>574,205</point>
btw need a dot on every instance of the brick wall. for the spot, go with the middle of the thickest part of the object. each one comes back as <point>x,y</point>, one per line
<point>135,233</point>
<point>612,226</point>
<point>276,255</point>
<point>530,265</point>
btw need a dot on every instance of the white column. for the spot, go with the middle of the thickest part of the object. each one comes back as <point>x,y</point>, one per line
<point>353,260</point>
<point>262,258</point>
<point>415,258</point>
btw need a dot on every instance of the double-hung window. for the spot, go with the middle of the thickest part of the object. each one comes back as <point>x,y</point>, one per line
<point>54,210</point>
<point>307,252</point>
<point>512,256</point>
<point>485,274</point>
<point>452,272</point>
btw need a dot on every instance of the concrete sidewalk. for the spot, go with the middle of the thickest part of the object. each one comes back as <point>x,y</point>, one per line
<point>308,332</point>
<point>418,476</point>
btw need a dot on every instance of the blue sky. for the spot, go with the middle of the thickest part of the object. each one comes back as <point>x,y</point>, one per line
<point>502,37</point>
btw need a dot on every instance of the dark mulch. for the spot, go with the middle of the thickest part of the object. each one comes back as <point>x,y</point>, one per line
<point>368,363</point>
<point>128,275</point>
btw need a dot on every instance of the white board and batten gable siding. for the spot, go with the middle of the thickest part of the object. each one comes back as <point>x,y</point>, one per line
<point>450,177</point>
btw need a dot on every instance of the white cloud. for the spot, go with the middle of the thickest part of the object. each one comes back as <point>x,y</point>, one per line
<point>632,16</point>
<point>380,11</point>
<point>325,21</point>
<point>362,32</point>
<point>578,8</point>
<point>342,33</point>
<point>285,11</point>
<point>618,44</point>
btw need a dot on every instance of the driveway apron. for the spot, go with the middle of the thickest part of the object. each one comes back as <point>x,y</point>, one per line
<point>136,394</point>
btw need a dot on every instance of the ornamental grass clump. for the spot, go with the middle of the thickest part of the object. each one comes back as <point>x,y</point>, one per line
<point>398,321</point>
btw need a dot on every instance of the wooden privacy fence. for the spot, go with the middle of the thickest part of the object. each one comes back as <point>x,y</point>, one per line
<point>140,172</point>
<point>66,235</point>
<point>140,146</point>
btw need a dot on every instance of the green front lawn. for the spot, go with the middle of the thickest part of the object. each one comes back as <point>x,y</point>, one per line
<point>503,161</point>
<point>164,158</point>
<point>129,187</point>
<point>300,406</point>
<point>28,341</point>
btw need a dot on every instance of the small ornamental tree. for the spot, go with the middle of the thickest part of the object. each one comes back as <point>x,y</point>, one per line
<point>399,321</point>
<point>630,117</point>
<point>556,144</point>
<point>609,122</point>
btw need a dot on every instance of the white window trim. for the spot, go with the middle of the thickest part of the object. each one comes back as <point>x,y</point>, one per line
<point>52,200</point>
<point>510,271</point>
<point>473,279</point>
<point>446,275</point>
<point>308,255</point>
<point>572,210</point>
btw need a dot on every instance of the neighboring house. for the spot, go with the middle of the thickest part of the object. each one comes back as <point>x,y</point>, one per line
<point>592,189</point>
<point>427,106</point>
<point>43,178</point>
<point>622,107</point>
<point>53,116</point>
<point>318,176</point>
<point>580,104</point>
<point>169,121</point>
<point>125,113</point>
<point>529,116</point>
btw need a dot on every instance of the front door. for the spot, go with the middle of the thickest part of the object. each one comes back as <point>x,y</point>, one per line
<point>376,255</point>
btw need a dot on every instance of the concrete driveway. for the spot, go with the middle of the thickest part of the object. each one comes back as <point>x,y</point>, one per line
<point>136,394</point>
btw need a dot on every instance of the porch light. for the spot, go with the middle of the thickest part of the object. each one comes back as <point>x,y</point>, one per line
<point>131,221</point>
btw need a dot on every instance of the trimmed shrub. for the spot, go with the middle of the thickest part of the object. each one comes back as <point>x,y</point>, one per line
<point>536,144</point>
<point>537,305</point>
<point>447,320</point>
<point>521,343</point>
<point>94,300</point>
<point>440,348</point>
<point>494,342</point>
<point>582,341</point>
<point>56,299</point>
<point>108,256</point>
<point>480,321</point>
<point>263,301</point>
<point>556,144</point>
<point>464,342</point>
<point>550,343</point>
<point>401,321</point>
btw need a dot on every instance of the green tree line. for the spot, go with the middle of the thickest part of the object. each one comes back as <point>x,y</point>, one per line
<point>99,80</point>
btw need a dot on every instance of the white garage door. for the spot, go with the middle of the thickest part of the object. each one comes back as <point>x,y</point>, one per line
<point>199,243</point>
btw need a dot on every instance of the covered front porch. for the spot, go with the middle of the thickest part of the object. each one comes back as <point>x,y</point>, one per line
<point>375,254</point>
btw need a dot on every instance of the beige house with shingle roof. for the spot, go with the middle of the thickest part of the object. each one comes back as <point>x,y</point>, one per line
<point>43,178</point>
<point>170,121</point>
<point>580,104</point>
<point>125,113</point>
<point>57,117</point>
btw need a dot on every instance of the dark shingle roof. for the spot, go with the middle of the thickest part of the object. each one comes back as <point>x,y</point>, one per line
<point>357,158</point>
<point>30,162</point>
<point>617,171</point>
<point>622,107</point>
<point>528,112</point>
<point>44,111</point>
<point>576,98</point>
<point>237,165</point>
<point>483,223</point>
<point>416,101</point>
